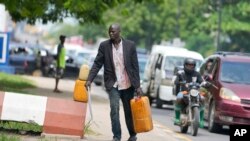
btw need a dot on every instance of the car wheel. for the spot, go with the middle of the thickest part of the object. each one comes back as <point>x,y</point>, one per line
<point>212,126</point>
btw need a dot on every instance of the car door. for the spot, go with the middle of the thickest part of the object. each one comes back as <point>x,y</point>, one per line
<point>147,74</point>
<point>154,67</point>
<point>158,77</point>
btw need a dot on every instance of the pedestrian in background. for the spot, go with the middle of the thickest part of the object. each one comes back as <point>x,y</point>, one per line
<point>121,77</point>
<point>60,62</point>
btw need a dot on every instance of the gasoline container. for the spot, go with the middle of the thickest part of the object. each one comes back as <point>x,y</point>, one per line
<point>80,91</point>
<point>141,114</point>
<point>84,72</point>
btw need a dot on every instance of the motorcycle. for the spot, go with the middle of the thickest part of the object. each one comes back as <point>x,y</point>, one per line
<point>49,70</point>
<point>190,114</point>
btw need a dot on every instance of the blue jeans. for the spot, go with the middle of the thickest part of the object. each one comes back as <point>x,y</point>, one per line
<point>114,97</point>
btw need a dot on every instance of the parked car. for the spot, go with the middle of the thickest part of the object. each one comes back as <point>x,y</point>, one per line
<point>27,58</point>
<point>228,99</point>
<point>23,58</point>
<point>76,56</point>
<point>99,79</point>
<point>142,60</point>
<point>84,56</point>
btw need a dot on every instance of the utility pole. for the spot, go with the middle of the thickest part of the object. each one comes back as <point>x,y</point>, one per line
<point>219,24</point>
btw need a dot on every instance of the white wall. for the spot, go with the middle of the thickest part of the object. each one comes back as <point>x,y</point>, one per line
<point>2,18</point>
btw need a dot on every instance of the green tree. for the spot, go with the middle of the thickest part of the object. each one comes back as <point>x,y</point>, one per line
<point>57,10</point>
<point>92,31</point>
<point>195,21</point>
<point>201,43</point>
<point>235,27</point>
<point>150,22</point>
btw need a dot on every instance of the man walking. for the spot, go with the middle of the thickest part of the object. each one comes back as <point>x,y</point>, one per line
<point>121,77</point>
<point>60,61</point>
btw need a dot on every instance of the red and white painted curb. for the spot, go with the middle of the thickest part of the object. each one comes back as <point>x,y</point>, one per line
<point>57,116</point>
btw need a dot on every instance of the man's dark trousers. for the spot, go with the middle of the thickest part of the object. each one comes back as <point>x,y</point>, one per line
<point>114,96</point>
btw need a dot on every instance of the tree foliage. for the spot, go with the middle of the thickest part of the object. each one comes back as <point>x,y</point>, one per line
<point>235,26</point>
<point>57,10</point>
<point>194,21</point>
<point>151,22</point>
<point>148,22</point>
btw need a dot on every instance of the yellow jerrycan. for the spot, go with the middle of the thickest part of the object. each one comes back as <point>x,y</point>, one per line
<point>84,72</point>
<point>141,114</point>
<point>80,92</point>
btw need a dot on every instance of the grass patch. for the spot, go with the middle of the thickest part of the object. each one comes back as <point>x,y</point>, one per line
<point>5,137</point>
<point>14,83</point>
<point>20,126</point>
<point>88,130</point>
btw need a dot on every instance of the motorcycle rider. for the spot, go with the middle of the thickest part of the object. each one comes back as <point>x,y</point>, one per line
<point>186,76</point>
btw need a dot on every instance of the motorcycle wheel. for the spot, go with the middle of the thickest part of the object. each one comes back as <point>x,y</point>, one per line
<point>195,121</point>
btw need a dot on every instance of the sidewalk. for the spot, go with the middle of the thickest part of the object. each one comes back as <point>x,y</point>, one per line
<point>100,129</point>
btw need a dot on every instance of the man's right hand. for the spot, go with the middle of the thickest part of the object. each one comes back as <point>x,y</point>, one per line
<point>139,91</point>
<point>87,85</point>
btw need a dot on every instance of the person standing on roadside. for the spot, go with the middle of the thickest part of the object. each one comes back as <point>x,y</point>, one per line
<point>121,77</point>
<point>60,62</point>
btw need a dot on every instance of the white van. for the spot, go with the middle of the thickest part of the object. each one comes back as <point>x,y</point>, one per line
<point>160,70</point>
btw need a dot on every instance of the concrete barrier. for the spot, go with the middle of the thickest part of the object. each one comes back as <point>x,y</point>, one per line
<point>64,117</point>
<point>56,116</point>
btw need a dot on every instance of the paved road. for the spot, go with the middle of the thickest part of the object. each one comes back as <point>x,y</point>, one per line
<point>165,117</point>
<point>101,126</point>
<point>163,126</point>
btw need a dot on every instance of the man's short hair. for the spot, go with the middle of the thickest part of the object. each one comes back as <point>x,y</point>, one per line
<point>62,37</point>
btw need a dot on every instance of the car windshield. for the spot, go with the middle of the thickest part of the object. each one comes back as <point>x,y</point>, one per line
<point>142,64</point>
<point>235,72</point>
<point>173,61</point>
<point>70,52</point>
<point>83,57</point>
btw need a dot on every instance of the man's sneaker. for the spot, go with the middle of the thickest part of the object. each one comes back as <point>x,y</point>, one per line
<point>201,124</point>
<point>132,138</point>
